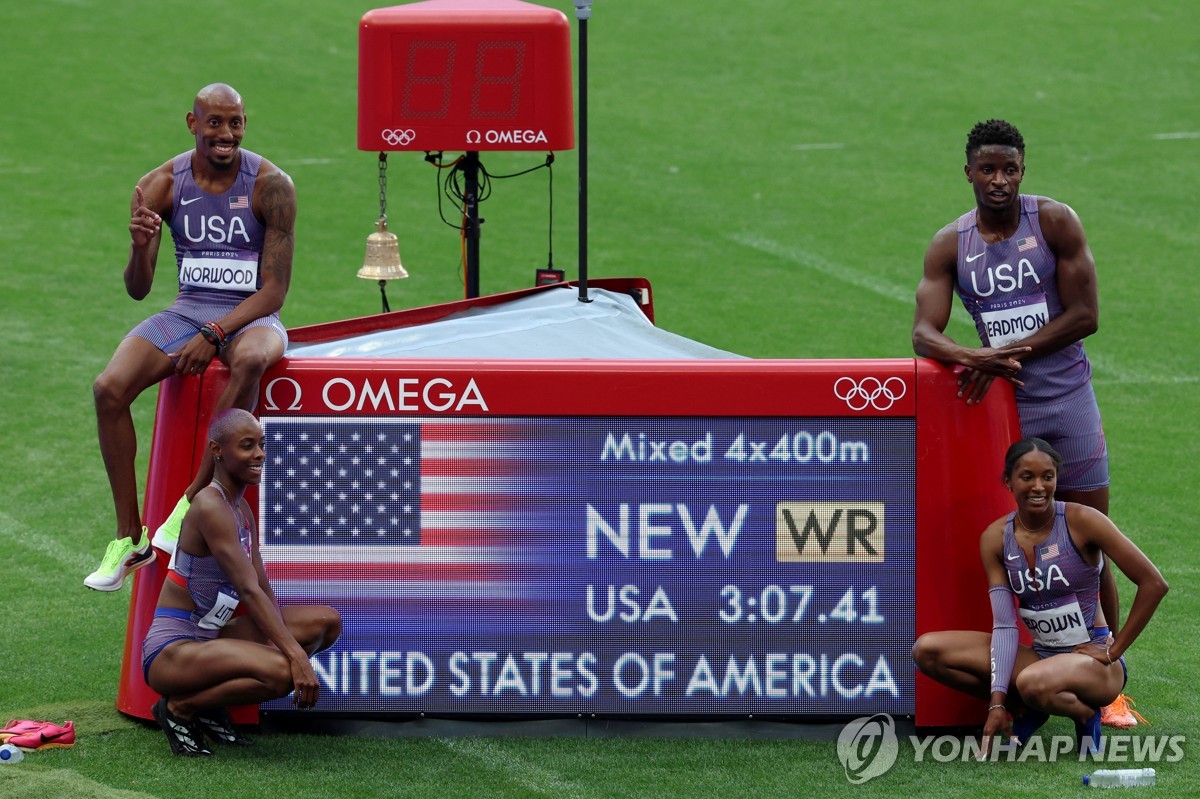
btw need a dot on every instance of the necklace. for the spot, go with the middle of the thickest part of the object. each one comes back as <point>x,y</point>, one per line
<point>234,504</point>
<point>1029,529</point>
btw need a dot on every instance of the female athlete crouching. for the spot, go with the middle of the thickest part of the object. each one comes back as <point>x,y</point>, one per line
<point>219,637</point>
<point>1047,556</point>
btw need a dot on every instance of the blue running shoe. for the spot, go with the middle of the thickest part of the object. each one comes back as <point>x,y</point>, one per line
<point>1088,734</point>
<point>1027,724</point>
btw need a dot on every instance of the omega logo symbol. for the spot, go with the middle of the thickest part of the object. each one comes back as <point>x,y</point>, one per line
<point>870,391</point>
<point>515,136</point>
<point>269,394</point>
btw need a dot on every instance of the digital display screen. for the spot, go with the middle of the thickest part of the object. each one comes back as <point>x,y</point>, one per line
<point>613,565</point>
<point>432,70</point>
<point>471,77</point>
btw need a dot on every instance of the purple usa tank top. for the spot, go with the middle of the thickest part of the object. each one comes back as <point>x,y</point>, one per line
<point>1010,288</point>
<point>1057,591</point>
<point>218,240</point>
<point>213,595</point>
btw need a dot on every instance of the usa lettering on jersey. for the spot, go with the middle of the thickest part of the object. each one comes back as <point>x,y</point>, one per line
<point>215,229</point>
<point>1003,278</point>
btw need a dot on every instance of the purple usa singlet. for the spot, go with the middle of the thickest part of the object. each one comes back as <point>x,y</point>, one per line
<point>1058,591</point>
<point>1010,289</point>
<point>218,240</point>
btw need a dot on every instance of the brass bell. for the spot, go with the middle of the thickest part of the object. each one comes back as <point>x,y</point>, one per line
<point>382,261</point>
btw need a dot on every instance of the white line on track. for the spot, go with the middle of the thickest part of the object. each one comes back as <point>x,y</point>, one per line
<point>1188,134</point>
<point>1108,371</point>
<point>15,534</point>
<point>811,260</point>
<point>524,773</point>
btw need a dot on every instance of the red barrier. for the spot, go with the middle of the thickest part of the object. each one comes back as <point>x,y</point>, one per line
<point>958,449</point>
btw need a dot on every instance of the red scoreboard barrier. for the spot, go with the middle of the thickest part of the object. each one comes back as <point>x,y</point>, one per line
<point>666,538</point>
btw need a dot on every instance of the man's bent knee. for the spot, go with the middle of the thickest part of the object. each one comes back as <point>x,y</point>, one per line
<point>251,365</point>
<point>108,396</point>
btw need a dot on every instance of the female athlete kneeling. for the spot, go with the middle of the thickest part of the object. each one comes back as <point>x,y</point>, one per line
<point>1046,556</point>
<point>219,636</point>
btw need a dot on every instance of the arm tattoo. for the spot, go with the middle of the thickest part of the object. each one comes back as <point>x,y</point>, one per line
<point>277,202</point>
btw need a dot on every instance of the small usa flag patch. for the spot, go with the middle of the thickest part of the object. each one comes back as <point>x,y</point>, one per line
<point>1050,552</point>
<point>242,201</point>
<point>1029,243</point>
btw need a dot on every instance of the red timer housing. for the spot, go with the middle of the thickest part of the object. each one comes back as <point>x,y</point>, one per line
<point>465,75</point>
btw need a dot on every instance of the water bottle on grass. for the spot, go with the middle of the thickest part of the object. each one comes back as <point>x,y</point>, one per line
<point>1119,778</point>
<point>10,754</point>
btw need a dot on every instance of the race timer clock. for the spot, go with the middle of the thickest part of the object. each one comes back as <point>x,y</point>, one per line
<point>465,75</point>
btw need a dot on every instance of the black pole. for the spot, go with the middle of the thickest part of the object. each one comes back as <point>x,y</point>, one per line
<point>583,11</point>
<point>471,225</point>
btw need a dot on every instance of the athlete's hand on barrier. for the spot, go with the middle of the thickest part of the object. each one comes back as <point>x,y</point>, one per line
<point>973,385</point>
<point>145,224</point>
<point>1002,362</point>
<point>998,723</point>
<point>195,356</point>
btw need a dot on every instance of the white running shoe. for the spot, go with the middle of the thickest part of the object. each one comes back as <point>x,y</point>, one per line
<point>121,558</point>
<point>167,534</point>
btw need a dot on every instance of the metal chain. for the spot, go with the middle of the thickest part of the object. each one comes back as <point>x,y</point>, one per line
<point>383,186</point>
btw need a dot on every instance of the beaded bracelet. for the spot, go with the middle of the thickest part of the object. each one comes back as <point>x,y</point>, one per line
<point>995,707</point>
<point>214,335</point>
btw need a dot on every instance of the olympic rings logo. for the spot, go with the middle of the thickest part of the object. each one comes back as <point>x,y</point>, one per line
<point>869,391</point>
<point>401,137</point>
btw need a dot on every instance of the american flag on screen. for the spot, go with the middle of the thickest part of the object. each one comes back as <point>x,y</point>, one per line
<point>1028,243</point>
<point>240,201</point>
<point>353,482</point>
<point>1050,552</point>
<point>374,498</point>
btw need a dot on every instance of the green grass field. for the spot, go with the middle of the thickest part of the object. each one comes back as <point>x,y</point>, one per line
<point>775,168</point>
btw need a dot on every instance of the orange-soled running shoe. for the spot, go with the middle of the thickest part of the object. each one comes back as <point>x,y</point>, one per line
<point>1120,714</point>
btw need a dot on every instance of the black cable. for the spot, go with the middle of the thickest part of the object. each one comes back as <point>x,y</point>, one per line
<point>383,293</point>
<point>450,187</point>
<point>548,166</point>
<point>440,185</point>
<point>544,165</point>
<point>550,203</point>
